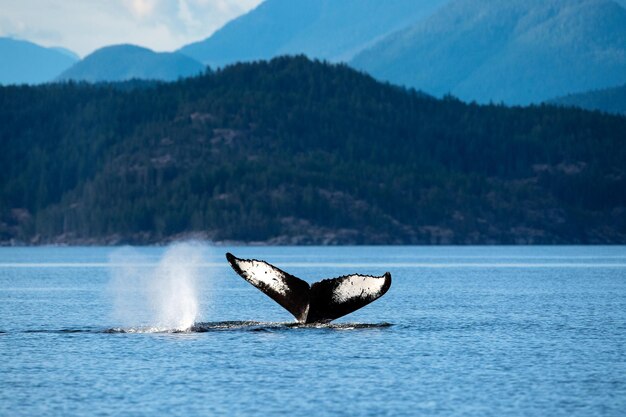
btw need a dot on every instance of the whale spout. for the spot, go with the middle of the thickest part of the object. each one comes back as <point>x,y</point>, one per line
<point>320,302</point>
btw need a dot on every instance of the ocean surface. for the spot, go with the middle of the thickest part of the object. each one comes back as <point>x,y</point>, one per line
<point>463,331</point>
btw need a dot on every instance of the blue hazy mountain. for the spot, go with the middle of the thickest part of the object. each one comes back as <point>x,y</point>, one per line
<point>125,62</point>
<point>66,52</point>
<point>24,62</point>
<point>334,30</point>
<point>516,51</point>
<point>608,100</point>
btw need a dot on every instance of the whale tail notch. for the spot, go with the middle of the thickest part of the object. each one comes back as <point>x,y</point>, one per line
<point>321,302</point>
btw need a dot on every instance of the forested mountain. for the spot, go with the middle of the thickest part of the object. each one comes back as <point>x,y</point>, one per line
<point>327,29</point>
<point>23,62</point>
<point>609,100</point>
<point>294,151</point>
<point>516,51</point>
<point>125,62</point>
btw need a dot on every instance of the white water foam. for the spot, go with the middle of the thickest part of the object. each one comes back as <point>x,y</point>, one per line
<point>161,296</point>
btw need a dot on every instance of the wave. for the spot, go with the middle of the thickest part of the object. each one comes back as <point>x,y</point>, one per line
<point>262,326</point>
<point>220,326</point>
<point>252,326</point>
<point>425,265</point>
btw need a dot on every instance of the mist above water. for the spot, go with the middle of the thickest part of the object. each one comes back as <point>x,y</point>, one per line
<point>162,294</point>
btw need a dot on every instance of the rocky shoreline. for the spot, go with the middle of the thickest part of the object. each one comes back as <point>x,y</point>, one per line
<point>344,237</point>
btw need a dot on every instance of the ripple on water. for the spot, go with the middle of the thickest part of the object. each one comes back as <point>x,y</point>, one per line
<point>245,326</point>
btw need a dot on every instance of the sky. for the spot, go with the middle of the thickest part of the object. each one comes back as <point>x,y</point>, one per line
<point>86,25</point>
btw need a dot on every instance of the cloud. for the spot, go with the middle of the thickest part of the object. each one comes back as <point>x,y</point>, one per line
<point>84,26</point>
<point>141,8</point>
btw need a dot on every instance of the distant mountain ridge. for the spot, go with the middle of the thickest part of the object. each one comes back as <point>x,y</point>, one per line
<point>609,100</point>
<point>24,62</point>
<point>126,62</point>
<point>518,51</point>
<point>66,52</point>
<point>334,30</point>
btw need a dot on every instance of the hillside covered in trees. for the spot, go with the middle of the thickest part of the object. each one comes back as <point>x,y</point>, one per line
<point>299,152</point>
<point>609,100</point>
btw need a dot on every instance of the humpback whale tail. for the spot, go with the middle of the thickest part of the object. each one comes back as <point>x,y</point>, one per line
<point>320,302</point>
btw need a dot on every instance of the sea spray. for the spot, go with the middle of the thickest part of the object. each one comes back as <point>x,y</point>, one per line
<point>161,294</point>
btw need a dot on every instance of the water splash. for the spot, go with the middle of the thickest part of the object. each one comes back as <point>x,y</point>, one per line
<point>161,293</point>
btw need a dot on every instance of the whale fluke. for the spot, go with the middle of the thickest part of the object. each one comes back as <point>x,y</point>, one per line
<point>321,302</point>
<point>290,292</point>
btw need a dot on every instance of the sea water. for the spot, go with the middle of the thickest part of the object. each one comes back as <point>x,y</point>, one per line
<point>463,331</point>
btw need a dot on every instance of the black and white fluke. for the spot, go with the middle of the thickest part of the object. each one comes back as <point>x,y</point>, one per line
<point>320,302</point>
